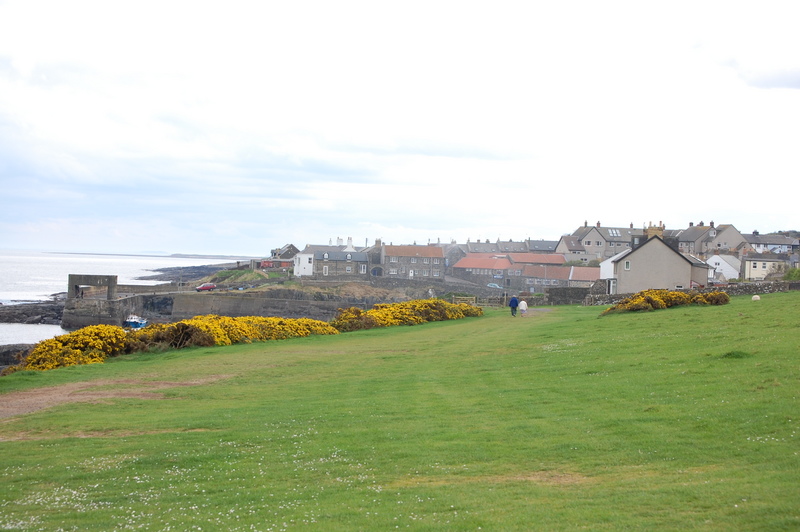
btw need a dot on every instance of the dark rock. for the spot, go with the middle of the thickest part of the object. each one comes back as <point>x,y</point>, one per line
<point>48,312</point>
<point>10,355</point>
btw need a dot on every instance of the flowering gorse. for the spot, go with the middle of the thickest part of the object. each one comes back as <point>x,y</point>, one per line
<point>406,313</point>
<point>661,299</point>
<point>95,343</point>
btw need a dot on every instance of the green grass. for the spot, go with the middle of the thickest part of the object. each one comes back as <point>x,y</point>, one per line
<point>679,419</point>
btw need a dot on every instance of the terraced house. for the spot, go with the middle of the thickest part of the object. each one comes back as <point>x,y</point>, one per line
<point>598,242</point>
<point>411,262</point>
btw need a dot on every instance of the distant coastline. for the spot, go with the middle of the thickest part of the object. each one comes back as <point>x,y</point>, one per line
<point>173,255</point>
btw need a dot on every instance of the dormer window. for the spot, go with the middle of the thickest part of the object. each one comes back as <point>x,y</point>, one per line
<point>325,256</point>
<point>349,256</point>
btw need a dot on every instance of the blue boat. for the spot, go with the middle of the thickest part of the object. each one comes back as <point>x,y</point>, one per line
<point>134,322</point>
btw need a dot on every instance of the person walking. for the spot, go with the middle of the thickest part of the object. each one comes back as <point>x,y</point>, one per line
<point>523,307</point>
<point>513,303</point>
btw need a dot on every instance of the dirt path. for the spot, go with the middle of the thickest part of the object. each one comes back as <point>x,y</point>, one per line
<point>25,402</point>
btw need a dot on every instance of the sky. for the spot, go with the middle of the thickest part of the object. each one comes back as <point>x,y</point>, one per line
<point>238,127</point>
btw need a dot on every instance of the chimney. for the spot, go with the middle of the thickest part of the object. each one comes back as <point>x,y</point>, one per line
<point>586,223</point>
<point>712,224</point>
<point>631,225</point>
<point>598,224</point>
<point>701,224</point>
<point>691,224</point>
<point>755,233</point>
<point>378,242</point>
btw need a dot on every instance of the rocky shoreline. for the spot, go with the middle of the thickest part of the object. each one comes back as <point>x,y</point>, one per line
<point>46,313</point>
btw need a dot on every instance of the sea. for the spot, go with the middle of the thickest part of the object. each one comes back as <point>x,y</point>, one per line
<point>31,276</point>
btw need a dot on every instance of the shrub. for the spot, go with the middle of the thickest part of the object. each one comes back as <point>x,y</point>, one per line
<point>661,299</point>
<point>792,275</point>
<point>88,345</point>
<point>406,313</point>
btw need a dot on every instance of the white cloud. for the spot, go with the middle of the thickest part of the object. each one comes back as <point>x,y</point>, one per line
<point>242,127</point>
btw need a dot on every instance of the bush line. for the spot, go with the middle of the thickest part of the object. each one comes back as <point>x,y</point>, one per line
<point>661,299</point>
<point>95,343</point>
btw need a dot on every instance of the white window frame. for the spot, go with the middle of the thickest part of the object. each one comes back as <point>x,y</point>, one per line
<point>627,265</point>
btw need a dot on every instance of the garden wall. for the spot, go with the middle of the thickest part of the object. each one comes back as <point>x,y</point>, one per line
<point>735,289</point>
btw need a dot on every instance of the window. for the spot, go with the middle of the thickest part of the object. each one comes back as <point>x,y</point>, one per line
<point>413,260</point>
<point>763,265</point>
<point>392,271</point>
<point>426,260</point>
<point>587,243</point>
<point>436,261</point>
<point>426,273</point>
<point>599,243</point>
<point>349,256</point>
<point>627,265</point>
<point>436,273</point>
<point>392,259</point>
<point>349,269</point>
<point>324,270</point>
<point>325,256</point>
<point>310,260</point>
<point>363,268</point>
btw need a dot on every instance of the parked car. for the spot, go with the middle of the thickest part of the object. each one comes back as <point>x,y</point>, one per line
<point>206,286</point>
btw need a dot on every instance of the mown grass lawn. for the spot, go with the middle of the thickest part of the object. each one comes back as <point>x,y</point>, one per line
<point>686,418</point>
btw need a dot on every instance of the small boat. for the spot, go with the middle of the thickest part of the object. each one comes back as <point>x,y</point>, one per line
<point>134,322</point>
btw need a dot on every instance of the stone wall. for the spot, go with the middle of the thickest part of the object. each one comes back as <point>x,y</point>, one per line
<point>566,295</point>
<point>735,289</point>
<point>186,306</point>
<point>84,312</point>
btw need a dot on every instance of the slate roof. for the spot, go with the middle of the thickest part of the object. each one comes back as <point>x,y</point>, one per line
<point>355,256</point>
<point>542,246</point>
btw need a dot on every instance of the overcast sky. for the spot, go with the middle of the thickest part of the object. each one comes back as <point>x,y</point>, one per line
<point>237,127</point>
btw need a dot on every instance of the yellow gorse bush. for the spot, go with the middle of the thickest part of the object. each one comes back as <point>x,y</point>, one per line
<point>661,299</point>
<point>88,345</point>
<point>406,313</point>
<point>95,343</point>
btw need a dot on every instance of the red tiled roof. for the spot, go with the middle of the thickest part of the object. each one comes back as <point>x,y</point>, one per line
<point>414,251</point>
<point>537,258</point>
<point>546,272</point>
<point>584,273</point>
<point>490,263</point>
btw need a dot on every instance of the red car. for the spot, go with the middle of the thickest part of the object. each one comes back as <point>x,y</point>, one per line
<point>206,286</point>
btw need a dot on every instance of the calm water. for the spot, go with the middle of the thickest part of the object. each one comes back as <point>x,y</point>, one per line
<point>29,276</point>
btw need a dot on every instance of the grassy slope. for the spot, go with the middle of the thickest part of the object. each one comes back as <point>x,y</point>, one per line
<point>678,419</point>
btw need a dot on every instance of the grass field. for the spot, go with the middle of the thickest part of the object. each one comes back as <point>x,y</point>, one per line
<point>679,419</point>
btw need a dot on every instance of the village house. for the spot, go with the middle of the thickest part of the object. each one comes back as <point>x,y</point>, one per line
<point>705,240</point>
<point>332,261</point>
<point>652,264</point>
<point>410,262</point>
<point>723,268</point>
<point>598,242</point>
<point>757,267</point>
<point>772,243</point>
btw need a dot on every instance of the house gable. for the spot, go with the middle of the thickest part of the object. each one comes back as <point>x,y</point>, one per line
<point>656,265</point>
